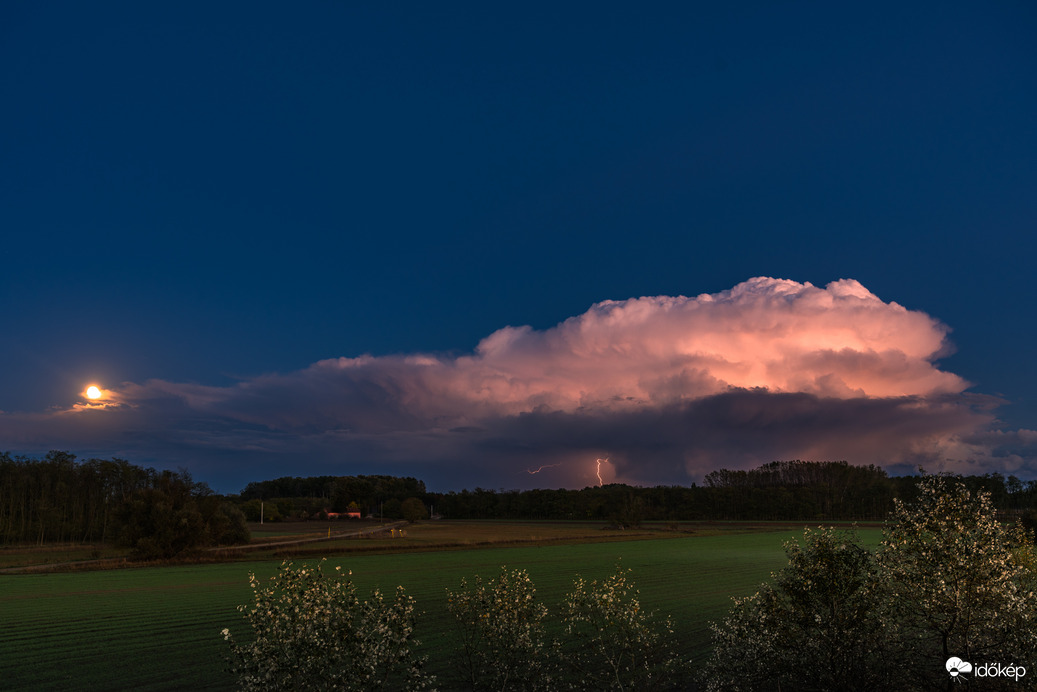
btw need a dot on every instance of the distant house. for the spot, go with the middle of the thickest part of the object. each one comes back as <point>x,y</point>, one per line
<point>352,514</point>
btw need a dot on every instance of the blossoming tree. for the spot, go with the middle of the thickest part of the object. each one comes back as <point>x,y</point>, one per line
<point>504,646</point>
<point>956,582</point>
<point>948,581</point>
<point>310,631</point>
<point>614,644</point>
<point>815,628</point>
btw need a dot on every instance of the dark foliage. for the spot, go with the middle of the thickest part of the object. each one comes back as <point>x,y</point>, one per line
<point>782,490</point>
<point>413,510</point>
<point>157,513</point>
<point>303,498</point>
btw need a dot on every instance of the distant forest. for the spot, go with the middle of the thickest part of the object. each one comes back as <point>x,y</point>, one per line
<point>781,490</point>
<point>165,513</point>
<point>158,514</point>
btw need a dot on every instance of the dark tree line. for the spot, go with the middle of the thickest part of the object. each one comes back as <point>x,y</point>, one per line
<point>309,497</point>
<point>165,513</point>
<point>781,490</point>
<point>157,513</point>
<point>800,490</point>
<point>59,499</point>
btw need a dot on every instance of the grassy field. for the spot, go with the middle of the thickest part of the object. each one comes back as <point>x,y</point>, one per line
<point>18,556</point>
<point>157,628</point>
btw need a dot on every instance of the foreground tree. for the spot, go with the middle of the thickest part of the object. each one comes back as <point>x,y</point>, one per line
<point>815,628</point>
<point>958,582</point>
<point>504,646</point>
<point>613,644</point>
<point>311,632</point>
<point>948,582</point>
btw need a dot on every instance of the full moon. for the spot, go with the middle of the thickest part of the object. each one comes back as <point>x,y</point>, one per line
<point>92,392</point>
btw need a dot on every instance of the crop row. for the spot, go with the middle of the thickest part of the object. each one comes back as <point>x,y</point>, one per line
<point>158,628</point>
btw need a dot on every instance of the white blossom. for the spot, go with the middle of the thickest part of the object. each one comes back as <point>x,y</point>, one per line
<point>312,632</point>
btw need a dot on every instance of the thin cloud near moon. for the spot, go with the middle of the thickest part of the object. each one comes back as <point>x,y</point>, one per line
<point>668,387</point>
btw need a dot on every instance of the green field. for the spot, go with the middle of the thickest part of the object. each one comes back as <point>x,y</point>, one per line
<point>157,628</point>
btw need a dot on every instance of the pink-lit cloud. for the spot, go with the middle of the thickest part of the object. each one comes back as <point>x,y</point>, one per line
<point>667,387</point>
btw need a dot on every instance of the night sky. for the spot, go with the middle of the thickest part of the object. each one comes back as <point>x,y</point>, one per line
<point>470,242</point>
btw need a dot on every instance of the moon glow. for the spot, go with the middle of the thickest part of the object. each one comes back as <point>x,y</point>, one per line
<point>93,392</point>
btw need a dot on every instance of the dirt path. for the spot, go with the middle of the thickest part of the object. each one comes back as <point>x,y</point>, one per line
<point>298,541</point>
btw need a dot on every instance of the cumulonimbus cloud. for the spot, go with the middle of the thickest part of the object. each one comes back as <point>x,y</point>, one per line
<point>671,387</point>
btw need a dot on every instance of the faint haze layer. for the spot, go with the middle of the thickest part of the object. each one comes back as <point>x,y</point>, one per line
<point>666,388</point>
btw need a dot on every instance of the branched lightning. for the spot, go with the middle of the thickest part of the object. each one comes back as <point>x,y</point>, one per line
<point>597,470</point>
<point>545,466</point>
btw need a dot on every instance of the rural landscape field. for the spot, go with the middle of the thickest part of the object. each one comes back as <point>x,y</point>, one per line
<point>796,573</point>
<point>157,627</point>
<point>524,347</point>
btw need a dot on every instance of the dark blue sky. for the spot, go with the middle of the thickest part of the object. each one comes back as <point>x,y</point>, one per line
<point>202,194</point>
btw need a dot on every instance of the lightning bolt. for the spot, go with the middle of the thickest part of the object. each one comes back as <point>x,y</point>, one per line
<point>598,470</point>
<point>545,466</point>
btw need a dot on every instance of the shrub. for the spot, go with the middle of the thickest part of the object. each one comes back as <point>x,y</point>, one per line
<point>502,633</point>
<point>312,632</point>
<point>815,628</point>
<point>958,582</point>
<point>613,644</point>
<point>413,510</point>
<point>949,581</point>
